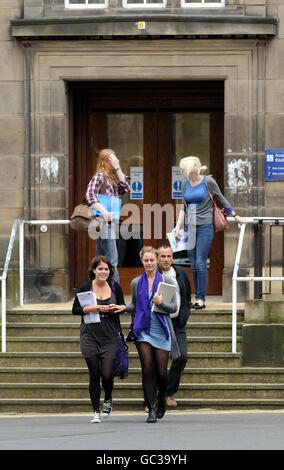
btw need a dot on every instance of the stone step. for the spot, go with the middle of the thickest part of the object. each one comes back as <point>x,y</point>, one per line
<point>61,316</point>
<point>72,329</point>
<point>71,344</point>
<point>61,405</point>
<point>212,343</point>
<point>57,359</point>
<point>207,375</point>
<point>43,316</point>
<point>207,316</point>
<point>134,390</point>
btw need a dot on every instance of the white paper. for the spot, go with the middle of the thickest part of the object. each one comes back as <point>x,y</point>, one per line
<point>178,245</point>
<point>86,299</point>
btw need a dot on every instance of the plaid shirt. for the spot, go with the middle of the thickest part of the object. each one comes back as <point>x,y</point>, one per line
<point>96,183</point>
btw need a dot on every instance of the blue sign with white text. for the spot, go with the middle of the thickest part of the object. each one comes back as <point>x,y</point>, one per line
<point>274,164</point>
<point>137,190</point>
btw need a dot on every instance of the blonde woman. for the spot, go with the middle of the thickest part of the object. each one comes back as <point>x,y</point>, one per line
<point>154,333</point>
<point>197,215</point>
<point>109,179</point>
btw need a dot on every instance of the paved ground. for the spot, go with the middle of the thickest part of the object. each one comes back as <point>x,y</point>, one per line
<point>185,430</point>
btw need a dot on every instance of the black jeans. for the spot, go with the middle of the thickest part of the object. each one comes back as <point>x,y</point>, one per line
<point>178,365</point>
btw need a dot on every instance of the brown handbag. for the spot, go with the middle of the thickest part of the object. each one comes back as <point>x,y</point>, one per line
<point>82,216</point>
<point>220,218</point>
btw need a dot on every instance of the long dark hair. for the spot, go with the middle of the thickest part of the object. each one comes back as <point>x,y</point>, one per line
<point>96,261</point>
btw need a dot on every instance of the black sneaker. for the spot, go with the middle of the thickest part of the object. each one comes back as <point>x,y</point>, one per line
<point>107,408</point>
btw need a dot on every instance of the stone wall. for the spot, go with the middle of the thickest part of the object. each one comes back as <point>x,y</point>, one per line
<point>34,79</point>
<point>12,130</point>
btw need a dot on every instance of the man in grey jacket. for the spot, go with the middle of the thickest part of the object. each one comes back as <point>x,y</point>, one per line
<point>179,318</point>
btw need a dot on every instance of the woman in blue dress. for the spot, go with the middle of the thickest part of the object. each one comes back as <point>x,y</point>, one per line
<point>154,334</point>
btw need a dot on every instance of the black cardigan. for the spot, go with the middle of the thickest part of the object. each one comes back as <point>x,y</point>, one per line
<point>115,287</point>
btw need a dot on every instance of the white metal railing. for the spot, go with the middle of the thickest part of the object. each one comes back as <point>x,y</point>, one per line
<point>237,278</point>
<point>17,223</point>
<point>21,223</point>
<point>3,279</point>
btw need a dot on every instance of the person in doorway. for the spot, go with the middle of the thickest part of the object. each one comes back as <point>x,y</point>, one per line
<point>197,215</point>
<point>179,318</point>
<point>99,334</point>
<point>109,179</point>
<point>153,331</point>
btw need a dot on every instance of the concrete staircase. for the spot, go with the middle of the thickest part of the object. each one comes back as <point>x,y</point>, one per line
<point>43,371</point>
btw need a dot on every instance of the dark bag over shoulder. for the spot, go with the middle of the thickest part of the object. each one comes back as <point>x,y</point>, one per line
<point>81,218</point>
<point>220,219</point>
<point>82,215</point>
<point>120,367</point>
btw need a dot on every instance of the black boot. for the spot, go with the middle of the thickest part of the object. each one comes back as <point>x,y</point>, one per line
<point>152,418</point>
<point>161,409</point>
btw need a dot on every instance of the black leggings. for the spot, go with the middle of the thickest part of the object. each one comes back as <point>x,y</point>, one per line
<point>154,364</point>
<point>100,367</point>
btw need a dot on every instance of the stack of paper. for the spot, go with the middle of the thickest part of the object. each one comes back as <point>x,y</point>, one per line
<point>86,299</point>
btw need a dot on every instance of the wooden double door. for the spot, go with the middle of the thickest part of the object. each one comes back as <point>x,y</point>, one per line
<point>152,125</point>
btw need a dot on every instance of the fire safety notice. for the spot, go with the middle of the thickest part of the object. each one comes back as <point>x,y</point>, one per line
<point>274,164</point>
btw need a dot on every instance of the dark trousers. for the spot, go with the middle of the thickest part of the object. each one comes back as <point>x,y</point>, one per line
<point>178,365</point>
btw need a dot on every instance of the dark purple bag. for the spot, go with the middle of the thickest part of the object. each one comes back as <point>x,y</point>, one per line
<point>120,367</point>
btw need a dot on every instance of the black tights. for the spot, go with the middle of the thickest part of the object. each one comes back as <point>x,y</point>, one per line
<point>100,367</point>
<point>154,364</point>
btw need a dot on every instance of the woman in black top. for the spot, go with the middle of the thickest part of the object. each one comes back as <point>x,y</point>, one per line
<point>99,333</point>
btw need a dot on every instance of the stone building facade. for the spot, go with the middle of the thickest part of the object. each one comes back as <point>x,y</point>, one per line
<point>46,46</point>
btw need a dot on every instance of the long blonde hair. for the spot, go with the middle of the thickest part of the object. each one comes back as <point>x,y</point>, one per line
<point>102,166</point>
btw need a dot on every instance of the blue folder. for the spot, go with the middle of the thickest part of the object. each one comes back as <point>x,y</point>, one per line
<point>111,204</point>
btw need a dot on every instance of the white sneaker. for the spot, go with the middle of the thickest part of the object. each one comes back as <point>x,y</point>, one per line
<point>96,418</point>
<point>107,408</point>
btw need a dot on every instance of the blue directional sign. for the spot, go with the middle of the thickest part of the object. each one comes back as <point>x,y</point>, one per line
<point>177,189</point>
<point>137,186</point>
<point>274,164</point>
<point>136,192</point>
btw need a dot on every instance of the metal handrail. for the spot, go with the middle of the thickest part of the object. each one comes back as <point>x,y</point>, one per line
<point>21,223</point>
<point>3,278</point>
<point>237,278</point>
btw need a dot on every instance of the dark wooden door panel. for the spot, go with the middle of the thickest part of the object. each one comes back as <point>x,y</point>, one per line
<point>89,105</point>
